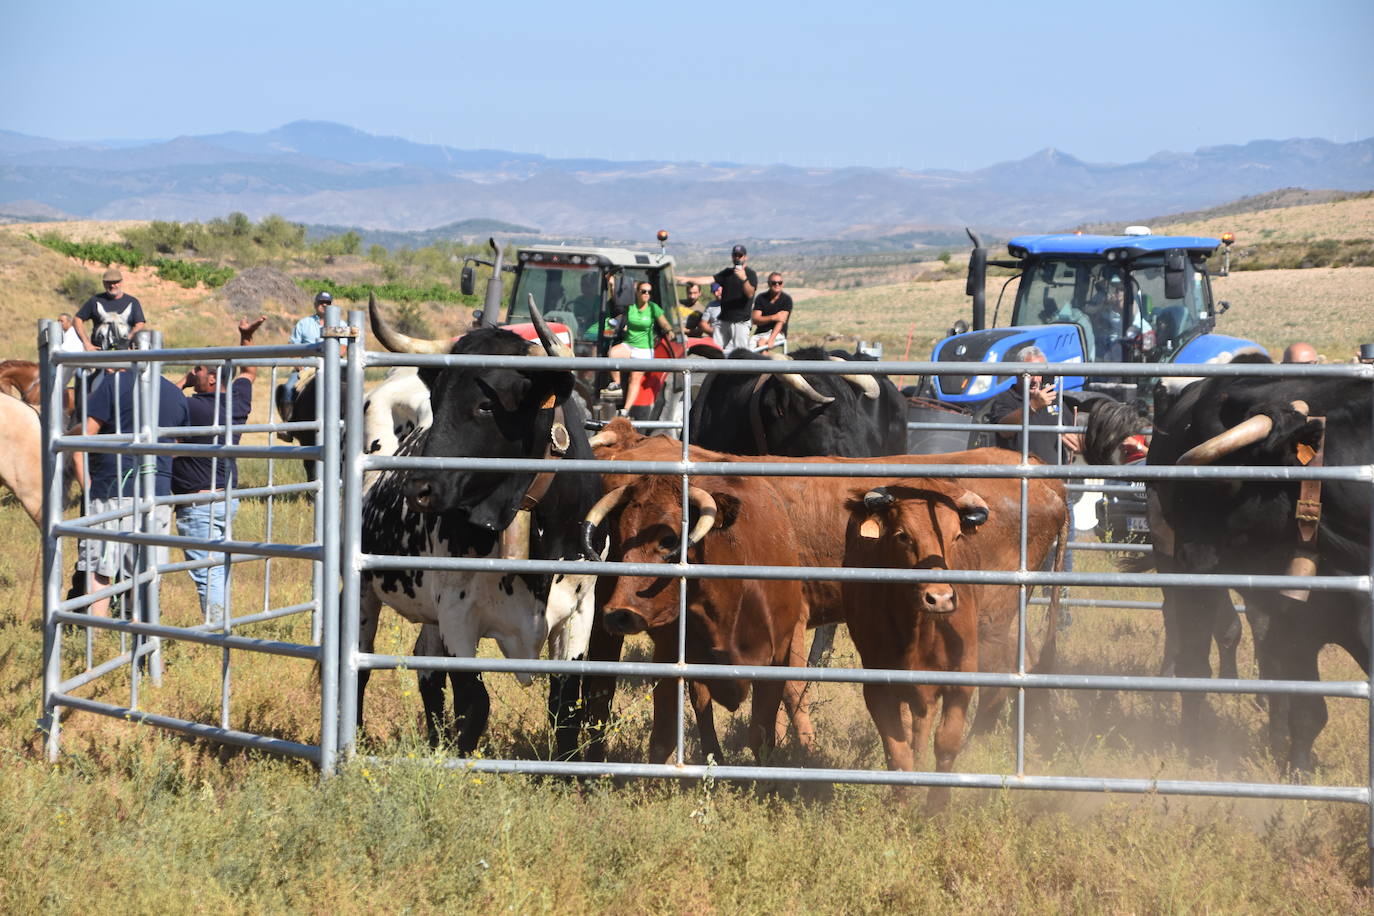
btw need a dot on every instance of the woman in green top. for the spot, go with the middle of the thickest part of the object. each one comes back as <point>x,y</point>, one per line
<point>640,319</point>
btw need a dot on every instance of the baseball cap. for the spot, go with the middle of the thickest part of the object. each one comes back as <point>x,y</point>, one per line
<point>112,276</point>
<point>738,251</point>
<point>323,297</point>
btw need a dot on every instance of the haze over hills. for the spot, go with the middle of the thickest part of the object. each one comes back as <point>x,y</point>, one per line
<point>324,173</point>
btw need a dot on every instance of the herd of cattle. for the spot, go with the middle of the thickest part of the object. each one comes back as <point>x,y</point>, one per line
<point>1198,526</point>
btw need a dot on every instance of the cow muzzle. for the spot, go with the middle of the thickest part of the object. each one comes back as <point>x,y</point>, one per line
<point>420,495</point>
<point>624,621</point>
<point>938,598</point>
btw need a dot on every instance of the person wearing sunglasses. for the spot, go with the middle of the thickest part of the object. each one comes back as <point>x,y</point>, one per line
<point>772,311</point>
<point>641,319</point>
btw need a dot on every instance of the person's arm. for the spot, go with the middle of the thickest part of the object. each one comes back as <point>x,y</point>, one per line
<point>751,280</point>
<point>79,458</point>
<point>246,330</point>
<point>699,281</point>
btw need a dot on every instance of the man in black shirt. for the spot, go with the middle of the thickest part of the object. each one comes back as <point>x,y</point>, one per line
<point>115,316</point>
<point>738,284</point>
<point>206,520</point>
<point>1006,410</point>
<point>772,311</point>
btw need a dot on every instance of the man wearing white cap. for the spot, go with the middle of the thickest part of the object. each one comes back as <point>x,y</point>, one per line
<point>115,316</point>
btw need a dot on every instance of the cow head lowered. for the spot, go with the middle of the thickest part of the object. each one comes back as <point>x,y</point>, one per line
<point>482,413</point>
<point>913,526</point>
<point>645,518</point>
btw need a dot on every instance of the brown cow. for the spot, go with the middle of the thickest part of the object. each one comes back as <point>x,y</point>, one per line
<point>735,521</point>
<point>815,508</point>
<point>930,524</point>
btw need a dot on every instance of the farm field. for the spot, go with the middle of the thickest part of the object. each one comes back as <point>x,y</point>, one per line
<point>138,820</point>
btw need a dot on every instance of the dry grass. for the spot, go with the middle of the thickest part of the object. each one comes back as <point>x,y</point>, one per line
<point>1342,219</point>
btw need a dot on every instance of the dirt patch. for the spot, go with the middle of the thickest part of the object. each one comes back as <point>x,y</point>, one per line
<point>264,291</point>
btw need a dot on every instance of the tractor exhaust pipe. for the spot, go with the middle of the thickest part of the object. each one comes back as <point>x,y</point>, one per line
<point>977,280</point>
<point>491,306</point>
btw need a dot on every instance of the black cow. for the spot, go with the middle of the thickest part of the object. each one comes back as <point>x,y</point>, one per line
<point>491,413</point>
<point>1253,527</point>
<point>855,416</point>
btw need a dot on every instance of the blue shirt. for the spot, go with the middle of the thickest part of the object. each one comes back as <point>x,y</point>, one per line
<point>112,405</point>
<point>308,330</point>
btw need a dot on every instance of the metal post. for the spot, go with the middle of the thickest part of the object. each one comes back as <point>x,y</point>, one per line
<point>1369,643</point>
<point>50,382</point>
<point>328,509</point>
<point>152,597</point>
<point>352,538</point>
<point>682,589</point>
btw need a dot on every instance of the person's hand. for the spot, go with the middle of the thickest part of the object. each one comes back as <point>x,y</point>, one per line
<point>247,328</point>
<point>1043,397</point>
<point>1073,443</point>
<point>92,348</point>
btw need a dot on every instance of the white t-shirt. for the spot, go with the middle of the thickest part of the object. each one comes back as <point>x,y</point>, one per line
<point>71,341</point>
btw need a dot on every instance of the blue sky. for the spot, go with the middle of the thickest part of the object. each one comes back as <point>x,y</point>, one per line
<point>852,83</point>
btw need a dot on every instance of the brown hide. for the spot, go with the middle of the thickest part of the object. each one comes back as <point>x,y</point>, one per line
<point>815,508</point>
<point>729,621</point>
<point>19,379</point>
<point>901,627</point>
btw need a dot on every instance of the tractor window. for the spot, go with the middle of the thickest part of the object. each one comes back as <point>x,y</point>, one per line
<point>565,294</point>
<point>1172,321</point>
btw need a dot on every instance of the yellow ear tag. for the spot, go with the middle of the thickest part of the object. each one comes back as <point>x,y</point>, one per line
<point>870,529</point>
<point>1305,453</point>
<point>548,402</point>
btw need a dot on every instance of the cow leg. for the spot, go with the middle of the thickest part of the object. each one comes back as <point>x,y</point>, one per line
<point>798,708</point>
<point>1226,633</point>
<point>767,703</point>
<point>885,704</point>
<point>598,691</point>
<point>949,739</point>
<point>700,696</point>
<point>431,686</point>
<point>566,713</point>
<point>471,709</point>
<point>1195,612</point>
<point>369,611</point>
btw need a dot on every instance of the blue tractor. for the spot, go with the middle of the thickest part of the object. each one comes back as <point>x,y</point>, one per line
<point>1082,299</point>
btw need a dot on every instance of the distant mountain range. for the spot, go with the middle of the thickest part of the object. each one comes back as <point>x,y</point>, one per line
<point>327,174</point>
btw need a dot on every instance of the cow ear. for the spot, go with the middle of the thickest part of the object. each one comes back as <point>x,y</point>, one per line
<point>429,375</point>
<point>552,388</point>
<point>727,509</point>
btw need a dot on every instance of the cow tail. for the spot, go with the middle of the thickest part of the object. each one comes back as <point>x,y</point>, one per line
<point>1050,644</point>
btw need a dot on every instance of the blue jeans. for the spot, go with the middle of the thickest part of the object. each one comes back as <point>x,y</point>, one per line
<point>206,522</point>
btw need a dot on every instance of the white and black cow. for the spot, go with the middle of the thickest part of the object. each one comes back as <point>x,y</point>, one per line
<point>490,413</point>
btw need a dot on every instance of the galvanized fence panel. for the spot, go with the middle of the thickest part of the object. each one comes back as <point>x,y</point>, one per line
<point>139,627</point>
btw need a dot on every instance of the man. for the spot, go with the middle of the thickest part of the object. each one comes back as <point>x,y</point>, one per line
<point>110,480</point>
<point>309,330</point>
<point>71,340</point>
<point>738,283</point>
<point>586,308</point>
<point>772,311</point>
<point>115,316</point>
<point>207,521</point>
<point>1006,410</point>
<point>1300,353</point>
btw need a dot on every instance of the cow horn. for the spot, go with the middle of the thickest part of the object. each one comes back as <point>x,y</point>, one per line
<point>597,514</point>
<point>551,343</point>
<point>878,499</point>
<point>1237,437</point>
<point>397,342</point>
<point>706,514</point>
<point>605,438</point>
<point>801,385</point>
<point>866,385</point>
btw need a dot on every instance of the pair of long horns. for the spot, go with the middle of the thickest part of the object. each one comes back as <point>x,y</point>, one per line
<point>799,384</point>
<point>397,342</point>
<point>705,505</point>
<point>1247,432</point>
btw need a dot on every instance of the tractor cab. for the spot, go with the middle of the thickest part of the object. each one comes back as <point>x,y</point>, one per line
<point>1132,298</point>
<point>587,290</point>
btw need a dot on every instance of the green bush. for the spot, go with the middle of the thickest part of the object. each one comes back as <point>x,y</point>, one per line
<point>79,285</point>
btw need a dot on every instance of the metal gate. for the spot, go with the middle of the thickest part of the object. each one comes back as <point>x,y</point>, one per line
<point>342,359</point>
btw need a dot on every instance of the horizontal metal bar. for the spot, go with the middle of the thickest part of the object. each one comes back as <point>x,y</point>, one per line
<point>1349,689</point>
<point>196,635</point>
<point>862,574</point>
<point>1113,547</point>
<point>102,669</point>
<point>878,367</point>
<point>190,356</point>
<point>103,446</point>
<point>1352,794</point>
<point>250,548</point>
<point>309,752</point>
<point>1359,473</point>
<point>1124,489</point>
<point>273,614</point>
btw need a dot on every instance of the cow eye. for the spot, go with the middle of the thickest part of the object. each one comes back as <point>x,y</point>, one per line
<point>484,409</point>
<point>903,536</point>
<point>669,544</point>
